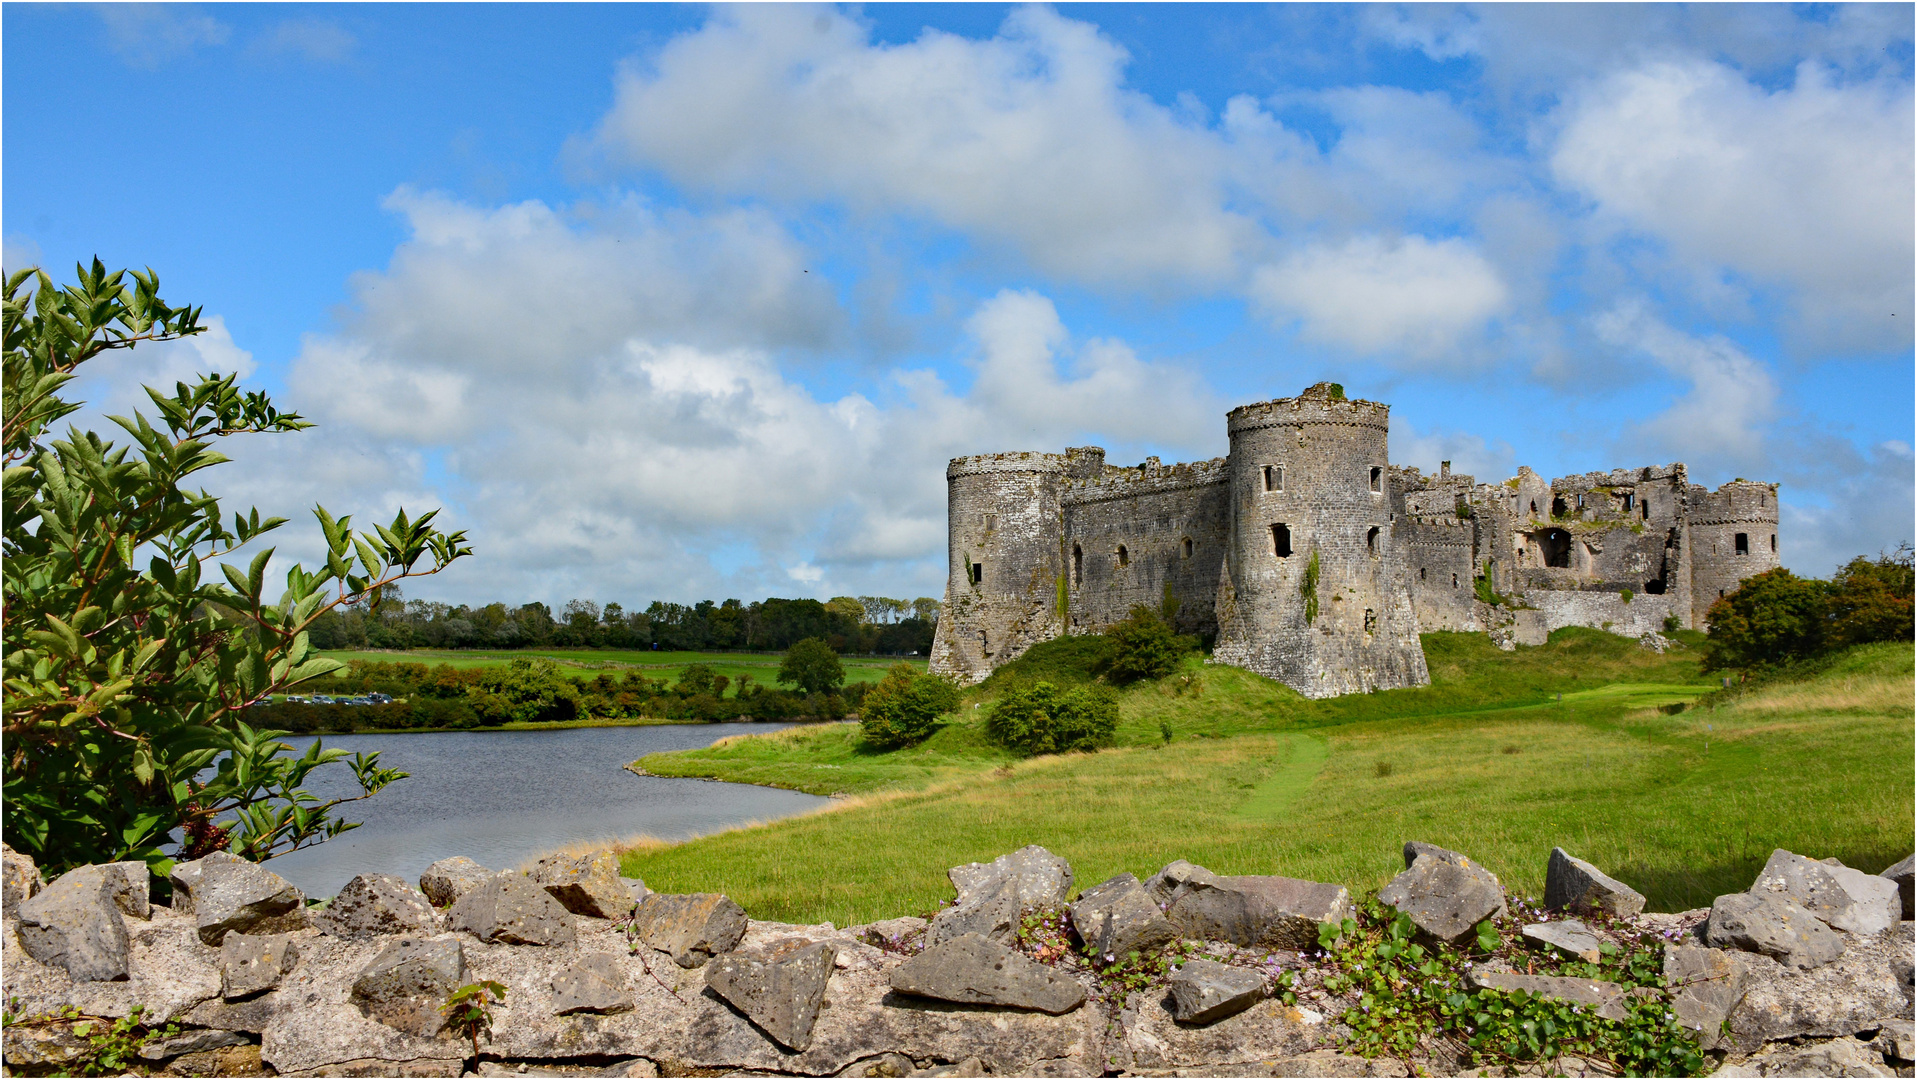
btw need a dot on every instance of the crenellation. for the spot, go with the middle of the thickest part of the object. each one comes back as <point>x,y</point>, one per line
<point>1314,560</point>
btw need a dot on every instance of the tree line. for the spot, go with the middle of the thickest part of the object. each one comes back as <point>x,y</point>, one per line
<point>850,624</point>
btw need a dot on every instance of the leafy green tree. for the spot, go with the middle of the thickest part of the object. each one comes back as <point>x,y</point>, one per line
<point>1870,599</point>
<point>127,666</point>
<point>904,707</point>
<point>1773,617</point>
<point>530,689</point>
<point>1144,648</point>
<point>1042,719</point>
<point>812,666</point>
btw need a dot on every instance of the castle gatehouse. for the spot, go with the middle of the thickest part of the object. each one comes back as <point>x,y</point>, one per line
<point>1311,559</point>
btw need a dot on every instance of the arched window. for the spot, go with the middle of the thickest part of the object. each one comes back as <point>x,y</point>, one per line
<point>1281,540</point>
<point>1186,548</point>
<point>1124,557</point>
<point>1534,506</point>
<point>1371,542</point>
<point>1377,479</point>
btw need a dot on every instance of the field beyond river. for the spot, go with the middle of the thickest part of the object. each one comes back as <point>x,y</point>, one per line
<point>1632,759</point>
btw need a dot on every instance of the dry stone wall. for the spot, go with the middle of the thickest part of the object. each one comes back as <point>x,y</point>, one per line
<point>1807,972</point>
<point>1049,544</point>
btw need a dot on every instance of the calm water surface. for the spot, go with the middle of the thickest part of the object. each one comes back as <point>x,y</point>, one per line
<point>504,797</point>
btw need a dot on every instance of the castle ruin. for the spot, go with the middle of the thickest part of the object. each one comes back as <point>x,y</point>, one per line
<point>1311,559</point>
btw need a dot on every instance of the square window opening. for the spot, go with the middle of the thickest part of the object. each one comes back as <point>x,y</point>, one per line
<point>1743,544</point>
<point>1281,540</point>
<point>978,573</point>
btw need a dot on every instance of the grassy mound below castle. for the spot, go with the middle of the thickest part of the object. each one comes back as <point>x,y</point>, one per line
<point>1575,743</point>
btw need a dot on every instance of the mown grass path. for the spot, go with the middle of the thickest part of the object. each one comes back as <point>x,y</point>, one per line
<point>1257,780</point>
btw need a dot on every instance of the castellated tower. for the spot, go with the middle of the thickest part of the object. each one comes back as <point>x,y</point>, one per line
<point>1733,533</point>
<point>1310,481</point>
<point>1005,568</point>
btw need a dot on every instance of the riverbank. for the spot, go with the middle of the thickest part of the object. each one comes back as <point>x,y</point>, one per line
<point>1572,743</point>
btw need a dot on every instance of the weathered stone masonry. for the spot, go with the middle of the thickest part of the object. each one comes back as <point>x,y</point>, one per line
<point>1049,544</point>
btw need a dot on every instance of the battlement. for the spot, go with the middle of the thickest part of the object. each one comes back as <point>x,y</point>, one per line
<point>1324,403</point>
<point>1150,478</point>
<point>1017,461</point>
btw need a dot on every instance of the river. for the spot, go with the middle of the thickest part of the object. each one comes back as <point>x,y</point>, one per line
<point>504,797</point>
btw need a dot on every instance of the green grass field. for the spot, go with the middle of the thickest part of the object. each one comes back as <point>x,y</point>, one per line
<point>1256,779</point>
<point>584,663</point>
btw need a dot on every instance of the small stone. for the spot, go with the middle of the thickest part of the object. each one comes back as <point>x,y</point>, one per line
<point>1205,992</point>
<point>781,995</point>
<point>1039,878</point>
<point>19,878</point>
<point>1415,848</point>
<point>594,983</point>
<point>690,927</point>
<point>970,1067</point>
<point>1900,875</point>
<point>408,981</point>
<point>1844,898</point>
<point>995,917</point>
<point>974,971</point>
<point>1567,936</point>
<point>1119,915</point>
<point>889,933</point>
<point>636,888</point>
<point>233,894</point>
<point>192,1042</point>
<point>185,877</point>
<point>239,1060</point>
<point>512,909</point>
<point>377,905</point>
<point>889,1064</point>
<point>1572,884</point>
<point>1445,899</point>
<point>252,964</point>
<point>1896,1039</point>
<point>1838,1057</point>
<point>447,880</point>
<point>1604,998</point>
<point>75,924</point>
<point>1171,881</point>
<point>1774,926</point>
<point>1262,910</point>
<point>1705,985</point>
<point>587,885</point>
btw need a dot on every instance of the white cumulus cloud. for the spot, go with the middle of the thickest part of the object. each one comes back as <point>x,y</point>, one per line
<point>1719,420</point>
<point>1408,296</point>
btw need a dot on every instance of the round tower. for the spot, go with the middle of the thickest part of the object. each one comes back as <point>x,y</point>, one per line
<point>1005,569</point>
<point>1733,535</point>
<point>1315,593</point>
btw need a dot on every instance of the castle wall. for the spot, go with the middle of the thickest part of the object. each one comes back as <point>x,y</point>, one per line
<point>1332,504</point>
<point>1438,566</point>
<point>1717,518</point>
<point>1138,536</point>
<point>1004,570</point>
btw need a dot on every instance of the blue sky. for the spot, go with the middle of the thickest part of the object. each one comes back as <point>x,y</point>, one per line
<point>677,302</point>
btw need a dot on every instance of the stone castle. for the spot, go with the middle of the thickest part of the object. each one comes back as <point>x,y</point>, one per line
<point>1311,559</point>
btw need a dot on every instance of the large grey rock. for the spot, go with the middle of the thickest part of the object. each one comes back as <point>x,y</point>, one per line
<point>1258,910</point>
<point>781,992</point>
<point>586,884</point>
<point>1607,999</point>
<point>512,909</point>
<point>993,916</point>
<point>1846,899</point>
<point>408,982</point>
<point>1204,991</point>
<point>690,927</point>
<point>377,905</point>
<point>1774,926</point>
<point>447,880</point>
<point>1705,985</point>
<point>1117,916</point>
<point>1899,875</point>
<point>1173,878</point>
<point>1844,997</point>
<point>252,964</point>
<point>1445,899</point>
<point>233,894</point>
<point>1038,877</point>
<point>19,878</point>
<point>975,971</point>
<point>1573,884</point>
<point>594,983</point>
<point>185,877</point>
<point>1567,936</point>
<point>75,924</point>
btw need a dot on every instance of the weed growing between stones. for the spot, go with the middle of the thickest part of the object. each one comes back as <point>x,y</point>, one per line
<point>113,1045</point>
<point>468,1012</point>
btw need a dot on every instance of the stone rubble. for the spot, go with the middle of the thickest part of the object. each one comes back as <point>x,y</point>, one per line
<point>1446,899</point>
<point>688,985</point>
<point>1572,884</point>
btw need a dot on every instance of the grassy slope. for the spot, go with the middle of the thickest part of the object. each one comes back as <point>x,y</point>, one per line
<point>1258,780</point>
<point>763,668</point>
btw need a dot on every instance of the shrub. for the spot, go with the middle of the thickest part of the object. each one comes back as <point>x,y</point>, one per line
<point>904,706</point>
<point>525,690</point>
<point>1144,647</point>
<point>1870,599</point>
<point>812,666</point>
<point>1042,719</point>
<point>1775,616</point>
<point>1072,659</point>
